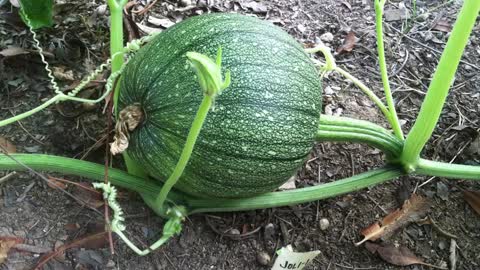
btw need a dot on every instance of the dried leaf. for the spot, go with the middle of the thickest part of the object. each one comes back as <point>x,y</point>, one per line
<point>97,240</point>
<point>6,243</point>
<point>473,199</point>
<point>7,145</point>
<point>412,210</point>
<point>56,183</point>
<point>163,22</point>
<point>443,25</point>
<point>13,51</point>
<point>72,227</point>
<point>88,195</point>
<point>348,43</point>
<point>401,256</point>
<point>62,74</point>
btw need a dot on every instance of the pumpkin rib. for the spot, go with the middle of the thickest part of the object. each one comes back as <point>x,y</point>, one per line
<point>227,104</point>
<point>184,51</point>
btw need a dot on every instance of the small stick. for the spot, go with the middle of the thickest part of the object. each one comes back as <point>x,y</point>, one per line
<point>107,164</point>
<point>7,177</point>
<point>440,230</point>
<point>453,254</point>
<point>4,151</point>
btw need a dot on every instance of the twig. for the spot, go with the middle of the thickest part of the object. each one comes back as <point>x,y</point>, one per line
<point>232,236</point>
<point>440,230</point>
<point>428,47</point>
<point>26,131</point>
<point>144,10</point>
<point>453,254</point>
<point>107,161</point>
<point>25,192</point>
<point>378,205</point>
<point>7,177</point>
<point>4,151</point>
<point>32,249</point>
<point>170,261</point>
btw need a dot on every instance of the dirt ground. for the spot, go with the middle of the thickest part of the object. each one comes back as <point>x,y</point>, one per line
<point>32,210</point>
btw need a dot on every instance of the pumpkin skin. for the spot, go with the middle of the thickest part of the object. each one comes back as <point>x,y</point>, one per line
<point>262,126</point>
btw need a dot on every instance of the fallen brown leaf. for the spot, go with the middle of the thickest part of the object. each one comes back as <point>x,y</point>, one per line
<point>62,74</point>
<point>401,256</point>
<point>6,243</point>
<point>473,199</point>
<point>7,145</point>
<point>443,26</point>
<point>412,210</point>
<point>348,43</point>
<point>97,240</point>
<point>88,195</point>
<point>56,183</point>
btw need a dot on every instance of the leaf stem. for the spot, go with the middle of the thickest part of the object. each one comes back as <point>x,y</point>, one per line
<point>443,169</point>
<point>297,196</point>
<point>21,116</point>
<point>369,93</point>
<point>438,90</point>
<point>397,129</point>
<point>187,149</point>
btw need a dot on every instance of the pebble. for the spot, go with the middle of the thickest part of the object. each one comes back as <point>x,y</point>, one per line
<point>324,224</point>
<point>234,232</point>
<point>328,91</point>
<point>269,231</point>
<point>327,37</point>
<point>263,258</point>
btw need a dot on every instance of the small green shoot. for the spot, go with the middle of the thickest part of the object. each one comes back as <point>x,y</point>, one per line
<point>209,76</point>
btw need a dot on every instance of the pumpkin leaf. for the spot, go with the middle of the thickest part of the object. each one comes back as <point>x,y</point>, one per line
<point>401,255</point>
<point>412,210</point>
<point>37,13</point>
<point>473,199</point>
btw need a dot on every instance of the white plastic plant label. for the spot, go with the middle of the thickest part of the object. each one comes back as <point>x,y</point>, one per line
<point>288,259</point>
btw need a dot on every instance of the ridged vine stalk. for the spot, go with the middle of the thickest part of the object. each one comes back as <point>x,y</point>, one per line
<point>438,90</point>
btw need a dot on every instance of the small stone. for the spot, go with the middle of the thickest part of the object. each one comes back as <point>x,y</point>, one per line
<point>263,258</point>
<point>269,231</point>
<point>234,232</point>
<point>301,28</point>
<point>327,37</point>
<point>110,264</point>
<point>442,191</point>
<point>328,91</point>
<point>324,224</point>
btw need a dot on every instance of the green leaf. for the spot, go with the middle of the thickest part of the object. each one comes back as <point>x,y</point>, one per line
<point>37,13</point>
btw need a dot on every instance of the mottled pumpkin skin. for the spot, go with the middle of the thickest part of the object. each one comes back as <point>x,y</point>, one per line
<point>262,127</point>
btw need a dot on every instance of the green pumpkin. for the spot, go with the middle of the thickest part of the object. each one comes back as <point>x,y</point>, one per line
<point>262,126</point>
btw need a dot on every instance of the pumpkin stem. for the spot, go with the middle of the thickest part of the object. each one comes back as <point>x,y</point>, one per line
<point>129,118</point>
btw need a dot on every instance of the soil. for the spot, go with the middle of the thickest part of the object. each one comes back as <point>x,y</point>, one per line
<point>78,42</point>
